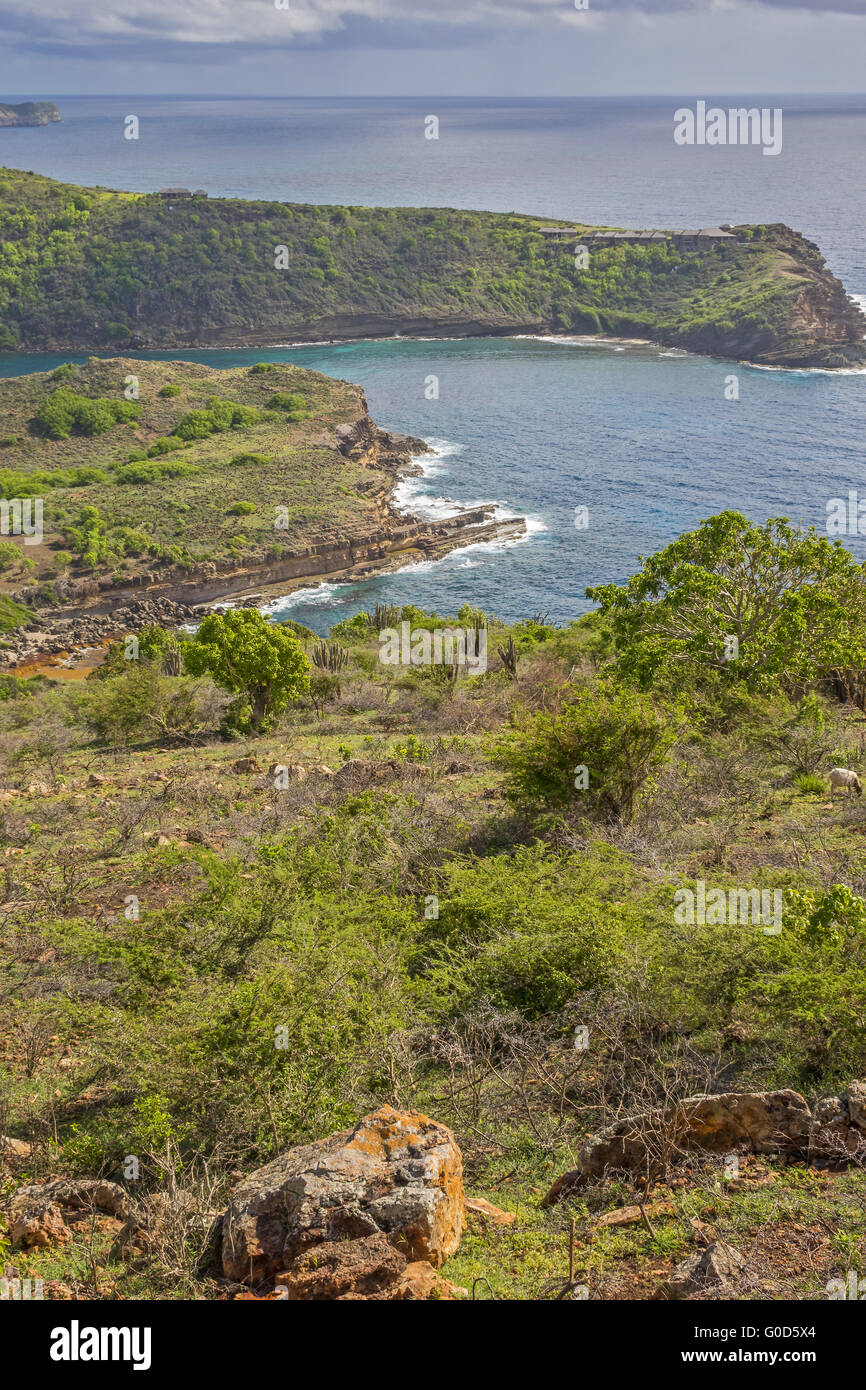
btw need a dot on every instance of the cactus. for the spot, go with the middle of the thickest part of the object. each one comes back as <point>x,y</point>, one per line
<point>509,658</point>
<point>386,615</point>
<point>330,656</point>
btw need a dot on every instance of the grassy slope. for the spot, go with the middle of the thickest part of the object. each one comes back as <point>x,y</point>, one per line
<point>157,1007</point>
<point>91,268</point>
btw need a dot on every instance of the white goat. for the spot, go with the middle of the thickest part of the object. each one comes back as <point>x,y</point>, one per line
<point>843,777</point>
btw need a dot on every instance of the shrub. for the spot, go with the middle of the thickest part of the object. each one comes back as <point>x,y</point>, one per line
<point>64,411</point>
<point>123,710</point>
<point>218,417</point>
<point>153,472</point>
<point>290,401</point>
<point>166,445</point>
<point>242,460</point>
<point>242,509</point>
<point>10,556</point>
<point>170,390</point>
<point>809,784</point>
<point>596,753</point>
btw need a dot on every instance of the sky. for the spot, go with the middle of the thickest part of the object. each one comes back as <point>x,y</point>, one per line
<point>437,47</point>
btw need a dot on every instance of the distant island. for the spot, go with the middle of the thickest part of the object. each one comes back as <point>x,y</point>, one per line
<point>177,269</point>
<point>29,113</point>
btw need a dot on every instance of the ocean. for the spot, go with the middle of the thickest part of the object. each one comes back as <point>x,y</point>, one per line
<point>644,438</point>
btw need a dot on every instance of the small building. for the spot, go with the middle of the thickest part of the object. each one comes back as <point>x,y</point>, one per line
<point>175,193</point>
<point>630,238</point>
<point>199,193</point>
<point>704,236</point>
<point>559,233</point>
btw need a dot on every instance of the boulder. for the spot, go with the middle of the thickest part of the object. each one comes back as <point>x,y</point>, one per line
<point>370,1268</point>
<point>40,1213</point>
<point>363,1268</point>
<point>714,1269</point>
<point>294,771</point>
<point>397,1174</point>
<point>245,765</point>
<point>34,1223</point>
<point>776,1122</point>
<point>839,1125</point>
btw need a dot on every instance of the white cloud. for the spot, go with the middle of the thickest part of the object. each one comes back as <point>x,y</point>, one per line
<point>106,25</point>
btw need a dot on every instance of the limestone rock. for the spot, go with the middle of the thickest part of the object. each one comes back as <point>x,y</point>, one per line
<point>293,771</point>
<point>362,1268</point>
<point>839,1125</point>
<point>245,765</point>
<point>370,1268</point>
<point>714,1269</point>
<point>39,1213</point>
<point>34,1223</point>
<point>479,1206</point>
<point>396,1173</point>
<point>763,1122</point>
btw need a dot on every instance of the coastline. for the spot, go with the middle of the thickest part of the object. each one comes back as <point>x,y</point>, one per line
<point>529,333</point>
<point>65,640</point>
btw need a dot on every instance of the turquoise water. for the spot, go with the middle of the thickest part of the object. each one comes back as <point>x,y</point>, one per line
<point>642,437</point>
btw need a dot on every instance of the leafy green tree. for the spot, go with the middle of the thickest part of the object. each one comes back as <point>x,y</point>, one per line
<point>261,662</point>
<point>767,605</point>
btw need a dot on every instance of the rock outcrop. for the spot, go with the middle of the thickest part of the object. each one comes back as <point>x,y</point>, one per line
<point>396,1175</point>
<point>370,1268</point>
<point>839,1126</point>
<point>42,1214</point>
<point>764,1122</point>
<point>713,1270</point>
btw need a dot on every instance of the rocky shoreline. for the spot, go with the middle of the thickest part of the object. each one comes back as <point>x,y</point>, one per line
<point>96,611</point>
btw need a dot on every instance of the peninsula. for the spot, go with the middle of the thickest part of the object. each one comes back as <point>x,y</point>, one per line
<point>149,489</point>
<point>92,269</point>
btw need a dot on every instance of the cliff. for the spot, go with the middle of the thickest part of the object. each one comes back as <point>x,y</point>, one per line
<point>141,271</point>
<point>29,113</point>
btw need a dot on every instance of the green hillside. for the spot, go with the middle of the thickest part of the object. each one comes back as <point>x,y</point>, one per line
<point>84,268</point>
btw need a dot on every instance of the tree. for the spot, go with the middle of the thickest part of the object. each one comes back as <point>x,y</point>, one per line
<point>768,606</point>
<point>246,653</point>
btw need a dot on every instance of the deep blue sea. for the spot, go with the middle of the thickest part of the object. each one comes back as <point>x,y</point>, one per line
<point>642,437</point>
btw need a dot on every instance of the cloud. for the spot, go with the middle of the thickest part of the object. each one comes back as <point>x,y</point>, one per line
<point>206,28</point>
